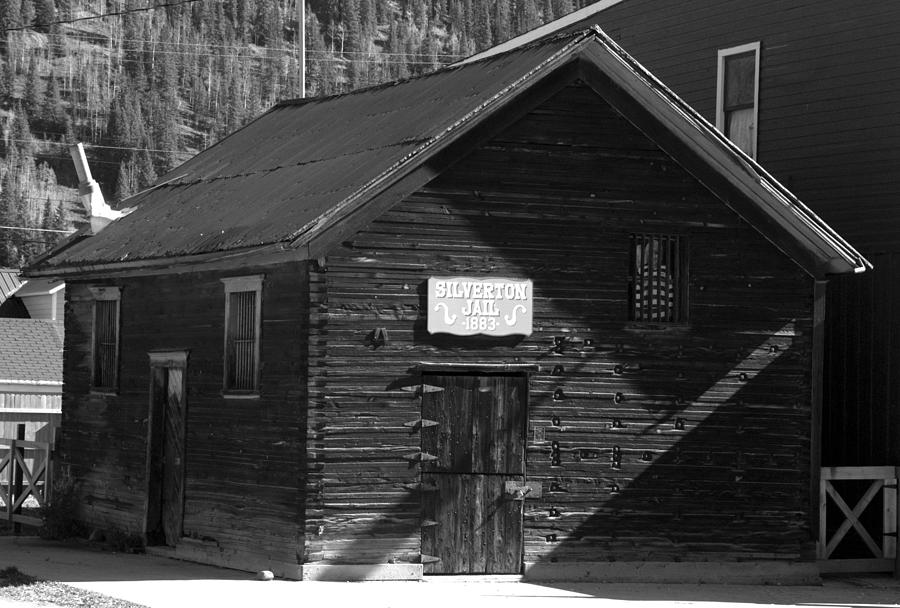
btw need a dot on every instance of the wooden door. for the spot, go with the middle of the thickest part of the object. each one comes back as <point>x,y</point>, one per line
<point>471,525</point>
<point>165,512</point>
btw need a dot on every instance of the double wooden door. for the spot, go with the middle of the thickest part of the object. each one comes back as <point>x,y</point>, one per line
<point>472,521</point>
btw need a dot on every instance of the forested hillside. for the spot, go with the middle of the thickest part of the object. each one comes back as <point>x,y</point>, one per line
<point>146,88</point>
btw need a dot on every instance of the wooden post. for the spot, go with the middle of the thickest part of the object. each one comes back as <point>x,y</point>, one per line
<point>16,491</point>
<point>897,525</point>
<point>816,485</point>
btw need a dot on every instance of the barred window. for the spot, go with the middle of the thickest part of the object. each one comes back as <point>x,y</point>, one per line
<point>242,329</point>
<point>658,291</point>
<point>105,339</point>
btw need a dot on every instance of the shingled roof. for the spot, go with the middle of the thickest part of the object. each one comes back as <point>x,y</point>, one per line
<point>306,166</point>
<point>30,352</point>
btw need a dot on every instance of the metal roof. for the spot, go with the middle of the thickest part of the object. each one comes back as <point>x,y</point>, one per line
<point>306,165</point>
<point>31,351</point>
<point>266,182</point>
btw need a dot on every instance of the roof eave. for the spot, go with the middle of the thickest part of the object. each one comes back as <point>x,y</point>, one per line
<point>258,256</point>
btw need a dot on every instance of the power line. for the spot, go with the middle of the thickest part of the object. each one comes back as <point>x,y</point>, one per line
<point>245,46</point>
<point>36,229</point>
<point>103,16</point>
<point>390,58</point>
<point>39,142</point>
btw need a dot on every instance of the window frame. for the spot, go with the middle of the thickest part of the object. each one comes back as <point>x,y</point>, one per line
<point>680,282</point>
<point>723,54</point>
<point>105,294</point>
<point>243,284</point>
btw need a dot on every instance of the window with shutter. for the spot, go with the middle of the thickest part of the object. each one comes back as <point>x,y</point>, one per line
<point>737,106</point>
<point>105,339</point>
<point>242,334</point>
<point>658,291</point>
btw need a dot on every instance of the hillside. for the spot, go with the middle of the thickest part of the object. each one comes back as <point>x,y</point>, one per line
<point>146,89</point>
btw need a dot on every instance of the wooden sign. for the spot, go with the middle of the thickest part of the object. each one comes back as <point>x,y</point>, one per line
<point>493,307</point>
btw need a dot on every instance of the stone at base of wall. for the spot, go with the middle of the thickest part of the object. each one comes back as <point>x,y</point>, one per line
<point>736,573</point>
<point>191,550</point>
<point>362,572</point>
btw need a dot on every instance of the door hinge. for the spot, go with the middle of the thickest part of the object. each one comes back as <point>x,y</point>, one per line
<point>421,423</point>
<point>516,490</point>
<point>428,486</point>
<point>429,559</point>
<point>428,523</point>
<point>421,389</point>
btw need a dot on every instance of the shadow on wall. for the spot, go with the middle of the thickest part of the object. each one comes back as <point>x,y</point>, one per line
<point>711,473</point>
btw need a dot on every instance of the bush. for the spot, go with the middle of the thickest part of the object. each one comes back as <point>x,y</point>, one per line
<point>58,516</point>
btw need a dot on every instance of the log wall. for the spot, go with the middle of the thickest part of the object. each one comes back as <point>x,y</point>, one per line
<point>711,417</point>
<point>244,457</point>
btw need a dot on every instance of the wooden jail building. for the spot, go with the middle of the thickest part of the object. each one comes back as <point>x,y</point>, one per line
<point>527,314</point>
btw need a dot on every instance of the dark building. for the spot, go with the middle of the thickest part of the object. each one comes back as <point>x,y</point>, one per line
<point>527,314</point>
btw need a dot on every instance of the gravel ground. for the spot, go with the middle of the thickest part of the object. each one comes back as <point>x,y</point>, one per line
<point>17,586</point>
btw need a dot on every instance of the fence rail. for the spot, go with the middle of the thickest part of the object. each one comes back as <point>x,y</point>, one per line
<point>24,474</point>
<point>875,549</point>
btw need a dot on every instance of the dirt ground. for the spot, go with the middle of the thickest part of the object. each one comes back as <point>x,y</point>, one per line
<point>165,583</point>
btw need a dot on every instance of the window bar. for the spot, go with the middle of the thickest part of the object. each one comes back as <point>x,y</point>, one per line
<point>654,277</point>
<point>669,304</point>
<point>680,288</point>
<point>639,284</point>
<point>645,278</point>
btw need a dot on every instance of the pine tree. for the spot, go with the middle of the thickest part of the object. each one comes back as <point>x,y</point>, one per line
<point>368,19</point>
<point>483,34</point>
<point>44,16</point>
<point>353,30</point>
<point>10,14</point>
<point>125,182</point>
<point>548,10</point>
<point>503,21</point>
<point>21,132</point>
<point>5,84</point>
<point>27,12</point>
<point>34,88</point>
<point>53,115</point>
<point>562,8</point>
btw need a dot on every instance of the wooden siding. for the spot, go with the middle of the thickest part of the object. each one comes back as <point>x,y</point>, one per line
<point>829,79</point>
<point>243,456</point>
<point>689,442</point>
<point>38,427</point>
<point>862,355</point>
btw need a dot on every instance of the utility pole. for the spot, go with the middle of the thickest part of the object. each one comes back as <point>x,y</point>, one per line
<point>301,39</point>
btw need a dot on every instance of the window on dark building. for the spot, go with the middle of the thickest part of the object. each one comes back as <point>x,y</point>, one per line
<point>658,290</point>
<point>737,107</point>
<point>242,333</point>
<point>105,339</point>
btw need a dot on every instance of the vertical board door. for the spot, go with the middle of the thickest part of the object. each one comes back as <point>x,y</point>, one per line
<point>470,524</point>
<point>165,456</point>
<point>173,458</point>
